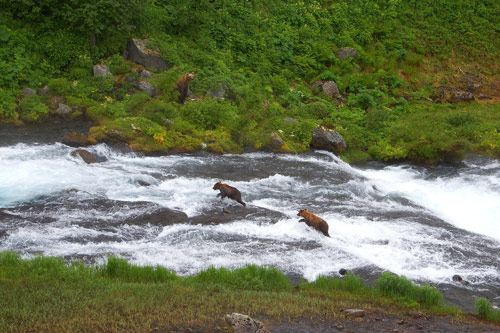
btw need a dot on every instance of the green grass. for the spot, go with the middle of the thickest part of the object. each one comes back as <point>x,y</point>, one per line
<point>485,310</point>
<point>47,294</point>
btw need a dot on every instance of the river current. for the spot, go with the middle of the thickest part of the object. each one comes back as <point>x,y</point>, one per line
<point>426,223</point>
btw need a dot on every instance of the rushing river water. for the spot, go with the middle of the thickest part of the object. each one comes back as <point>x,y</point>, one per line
<point>424,223</point>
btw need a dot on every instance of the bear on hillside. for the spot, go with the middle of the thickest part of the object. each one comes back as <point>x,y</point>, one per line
<point>182,86</point>
<point>228,191</point>
<point>313,221</point>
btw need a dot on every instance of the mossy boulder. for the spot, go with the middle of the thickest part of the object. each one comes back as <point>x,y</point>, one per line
<point>145,135</point>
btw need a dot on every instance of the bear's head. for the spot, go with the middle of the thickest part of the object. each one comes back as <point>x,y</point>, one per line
<point>217,185</point>
<point>190,77</point>
<point>302,211</point>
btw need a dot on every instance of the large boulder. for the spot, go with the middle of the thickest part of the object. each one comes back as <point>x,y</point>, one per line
<point>327,139</point>
<point>244,324</point>
<point>85,155</point>
<point>462,96</point>
<point>218,93</point>
<point>275,143</point>
<point>101,70</point>
<point>139,53</point>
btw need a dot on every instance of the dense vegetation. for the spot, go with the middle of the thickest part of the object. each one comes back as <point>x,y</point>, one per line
<point>266,55</point>
<point>45,294</point>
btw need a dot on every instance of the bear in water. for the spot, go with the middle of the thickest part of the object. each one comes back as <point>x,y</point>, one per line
<point>228,191</point>
<point>182,86</point>
<point>313,221</point>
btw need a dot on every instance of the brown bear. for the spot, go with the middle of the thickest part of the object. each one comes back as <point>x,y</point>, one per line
<point>313,221</point>
<point>182,86</point>
<point>228,191</point>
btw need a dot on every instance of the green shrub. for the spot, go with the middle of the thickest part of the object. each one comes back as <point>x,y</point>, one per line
<point>33,108</point>
<point>7,104</point>
<point>60,86</point>
<point>117,65</point>
<point>210,113</point>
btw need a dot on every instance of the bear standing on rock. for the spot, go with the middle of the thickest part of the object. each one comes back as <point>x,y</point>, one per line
<point>313,221</point>
<point>228,191</point>
<point>182,86</point>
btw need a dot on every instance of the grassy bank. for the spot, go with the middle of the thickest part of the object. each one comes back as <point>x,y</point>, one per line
<point>45,294</point>
<point>264,58</point>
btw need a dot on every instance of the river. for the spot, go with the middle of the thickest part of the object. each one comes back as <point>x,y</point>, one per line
<point>426,223</point>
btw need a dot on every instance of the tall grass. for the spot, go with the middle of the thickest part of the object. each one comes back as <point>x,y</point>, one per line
<point>485,310</point>
<point>400,288</point>
<point>250,277</point>
<point>349,283</point>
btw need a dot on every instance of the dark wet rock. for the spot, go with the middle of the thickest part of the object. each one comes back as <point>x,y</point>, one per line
<point>101,70</point>
<point>343,271</point>
<point>458,278</point>
<point>146,87</point>
<point>28,92</point>
<point>85,155</point>
<point>75,139</point>
<point>354,313</point>
<point>324,138</point>
<point>63,110</point>
<point>345,53</point>
<point>483,97</point>
<point>235,212</point>
<point>43,91</point>
<point>241,323</point>
<point>161,216</point>
<point>290,120</point>
<point>143,183</point>
<point>274,144</point>
<point>139,53</point>
<point>145,74</point>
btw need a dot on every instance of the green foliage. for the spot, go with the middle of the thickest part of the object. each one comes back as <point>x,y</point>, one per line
<point>349,283</point>
<point>485,310</point>
<point>121,269</point>
<point>250,277</point>
<point>117,65</point>
<point>401,288</point>
<point>33,108</point>
<point>209,113</point>
<point>7,104</point>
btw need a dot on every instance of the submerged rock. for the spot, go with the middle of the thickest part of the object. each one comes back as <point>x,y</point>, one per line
<point>241,323</point>
<point>85,155</point>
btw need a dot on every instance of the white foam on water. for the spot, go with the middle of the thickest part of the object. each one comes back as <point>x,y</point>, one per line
<point>467,201</point>
<point>404,246</point>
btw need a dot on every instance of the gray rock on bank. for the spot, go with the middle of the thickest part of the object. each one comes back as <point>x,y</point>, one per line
<point>28,92</point>
<point>101,70</point>
<point>345,53</point>
<point>140,54</point>
<point>63,109</point>
<point>328,139</point>
<point>244,324</point>
<point>146,87</point>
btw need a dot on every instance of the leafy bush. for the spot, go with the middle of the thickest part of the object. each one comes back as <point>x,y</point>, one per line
<point>209,113</point>
<point>7,104</point>
<point>485,310</point>
<point>33,108</point>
